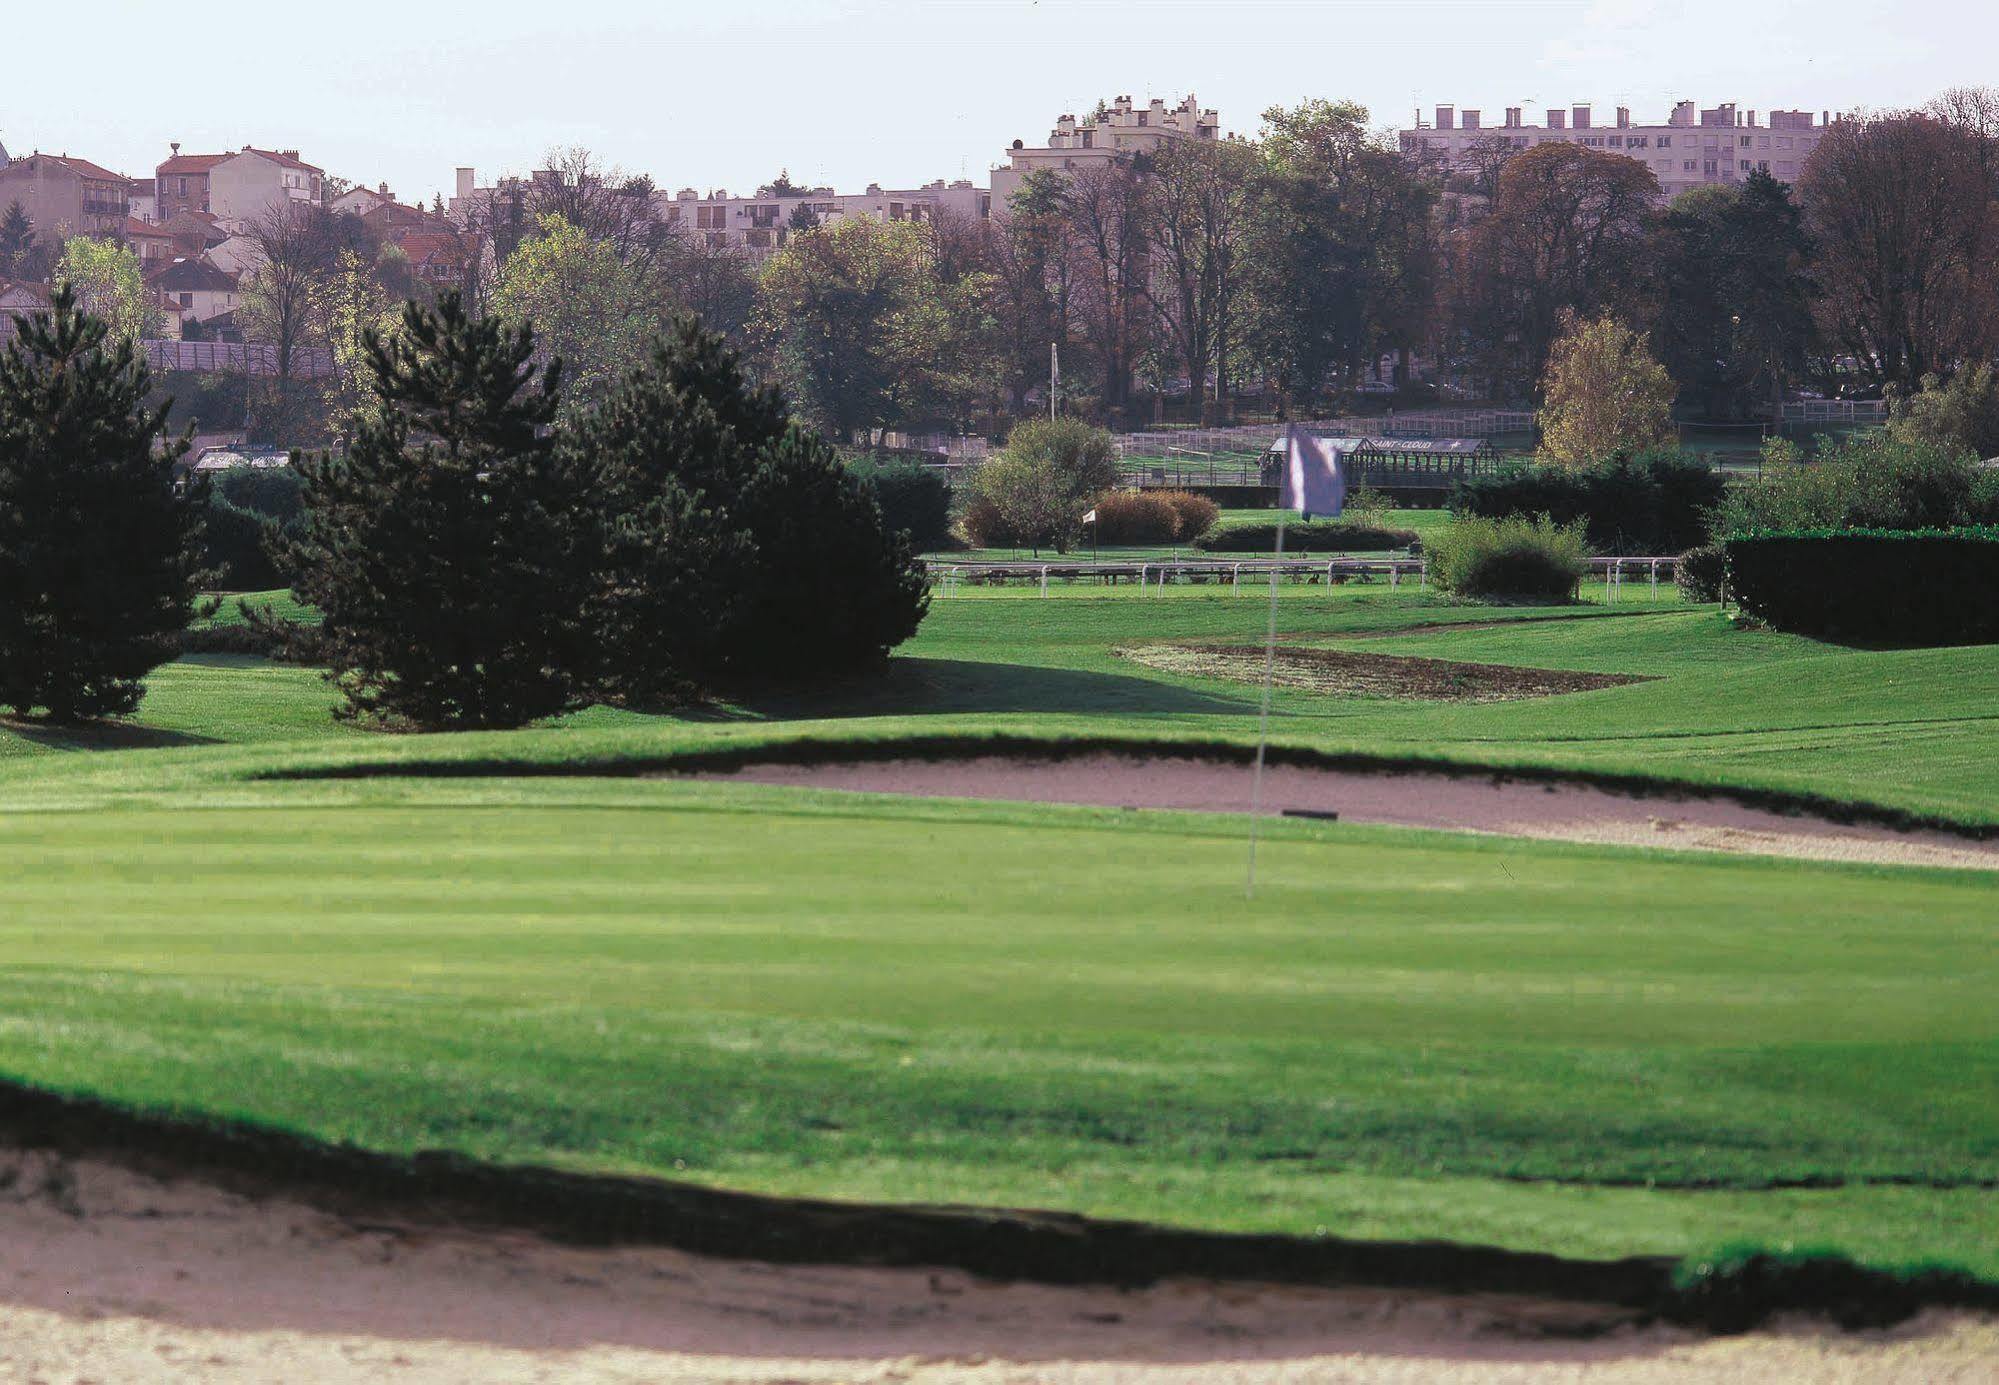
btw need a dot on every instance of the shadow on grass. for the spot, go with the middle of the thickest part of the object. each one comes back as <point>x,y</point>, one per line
<point>97,735</point>
<point>919,685</point>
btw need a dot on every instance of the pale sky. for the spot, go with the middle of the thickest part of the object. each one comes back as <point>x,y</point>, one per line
<point>724,93</point>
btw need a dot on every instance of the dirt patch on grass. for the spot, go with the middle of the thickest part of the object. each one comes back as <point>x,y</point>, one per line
<point>1348,673</point>
<point>112,1275</point>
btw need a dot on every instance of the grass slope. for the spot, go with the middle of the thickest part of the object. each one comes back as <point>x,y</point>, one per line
<point>977,1003</point>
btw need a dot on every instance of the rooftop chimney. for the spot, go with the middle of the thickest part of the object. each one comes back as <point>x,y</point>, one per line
<point>1447,117</point>
<point>465,182</point>
<point>1470,120</point>
<point>1624,117</point>
<point>1581,113</point>
<point>175,146</point>
<point>1557,118</point>
<point>1512,117</point>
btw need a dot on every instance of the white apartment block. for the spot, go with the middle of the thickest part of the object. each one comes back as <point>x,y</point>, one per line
<point>1721,145</point>
<point>759,225</point>
<point>1120,128</point>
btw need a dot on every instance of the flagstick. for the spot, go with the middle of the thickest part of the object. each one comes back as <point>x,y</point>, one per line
<point>1263,717</point>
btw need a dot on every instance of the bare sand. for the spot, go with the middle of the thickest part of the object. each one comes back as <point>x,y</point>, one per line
<point>1463,803</point>
<point>107,1275</point>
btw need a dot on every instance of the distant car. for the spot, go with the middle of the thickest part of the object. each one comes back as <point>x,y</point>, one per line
<point>1375,389</point>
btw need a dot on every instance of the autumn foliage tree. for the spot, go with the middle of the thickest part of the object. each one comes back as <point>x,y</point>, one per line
<point>1604,394</point>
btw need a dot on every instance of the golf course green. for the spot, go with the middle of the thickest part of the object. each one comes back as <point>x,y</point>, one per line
<point>512,946</point>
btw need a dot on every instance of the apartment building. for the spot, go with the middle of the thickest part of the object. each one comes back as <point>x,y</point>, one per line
<point>759,225</point>
<point>236,188</point>
<point>1692,148</point>
<point>62,194</point>
<point>1119,127</point>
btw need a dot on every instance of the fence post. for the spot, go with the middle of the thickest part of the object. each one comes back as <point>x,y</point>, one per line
<point>1044,580</point>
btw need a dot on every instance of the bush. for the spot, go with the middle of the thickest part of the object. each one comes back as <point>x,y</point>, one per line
<point>1894,586</point>
<point>914,499</point>
<point>1657,502</point>
<point>252,511</point>
<point>1083,459</point>
<point>1699,573</point>
<point>1131,517</point>
<point>1197,514</point>
<point>983,524</point>
<point>1874,481</point>
<point>1512,557</point>
<point>1021,502</point>
<point>1313,536</point>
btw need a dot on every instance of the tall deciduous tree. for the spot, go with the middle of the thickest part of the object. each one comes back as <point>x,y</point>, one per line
<point>1202,195</point>
<point>99,548</point>
<point>1343,252</point>
<point>451,548</point>
<point>584,302</point>
<point>863,332</point>
<point>1103,210</point>
<point>1567,234</point>
<point>1735,312</point>
<point>1901,211</point>
<point>109,286</point>
<point>1605,395</point>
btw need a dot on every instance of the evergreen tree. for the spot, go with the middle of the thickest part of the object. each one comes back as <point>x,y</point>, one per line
<point>17,239</point>
<point>742,547</point>
<point>98,546</point>
<point>452,549</point>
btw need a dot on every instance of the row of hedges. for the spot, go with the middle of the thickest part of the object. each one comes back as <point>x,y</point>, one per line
<point>1650,504</point>
<point>1896,586</point>
<point>1312,536</point>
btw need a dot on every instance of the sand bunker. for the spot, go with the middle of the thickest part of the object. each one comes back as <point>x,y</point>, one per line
<point>1511,807</point>
<point>109,1275</point>
<point>1344,673</point>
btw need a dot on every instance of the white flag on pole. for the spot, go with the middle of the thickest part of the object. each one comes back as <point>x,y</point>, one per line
<point>1091,517</point>
<point>1315,474</point>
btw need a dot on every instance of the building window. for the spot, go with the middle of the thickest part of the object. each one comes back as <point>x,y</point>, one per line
<point>1665,141</point>
<point>1687,166</point>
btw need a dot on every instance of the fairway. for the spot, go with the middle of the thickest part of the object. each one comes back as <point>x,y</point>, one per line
<point>506,946</point>
<point>981,1003</point>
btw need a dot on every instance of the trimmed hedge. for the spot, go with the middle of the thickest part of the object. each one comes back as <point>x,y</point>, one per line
<point>1651,504</point>
<point>1891,586</point>
<point>914,499</point>
<point>1314,536</point>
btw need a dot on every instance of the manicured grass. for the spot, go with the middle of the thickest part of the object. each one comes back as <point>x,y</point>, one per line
<point>982,1003</point>
<point>1576,1049</point>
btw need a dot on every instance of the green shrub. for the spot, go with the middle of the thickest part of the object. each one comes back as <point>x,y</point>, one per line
<point>914,498</point>
<point>1196,514</point>
<point>235,548</point>
<point>251,511</point>
<point>1891,586</point>
<point>1510,557</point>
<point>1657,502</point>
<point>1699,573</point>
<point>1874,481</point>
<point>1312,536</point>
<point>1131,517</point>
<point>1021,502</point>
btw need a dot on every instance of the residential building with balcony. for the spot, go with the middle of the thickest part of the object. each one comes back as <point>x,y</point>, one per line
<point>759,225</point>
<point>63,194</point>
<point>1723,144</point>
<point>1119,127</point>
<point>180,183</point>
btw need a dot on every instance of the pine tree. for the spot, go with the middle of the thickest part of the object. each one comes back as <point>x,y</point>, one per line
<point>741,547</point>
<point>452,549</point>
<point>17,238</point>
<point>99,548</point>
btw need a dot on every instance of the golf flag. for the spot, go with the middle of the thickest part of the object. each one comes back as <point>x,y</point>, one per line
<point>1091,517</point>
<point>1315,474</point>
